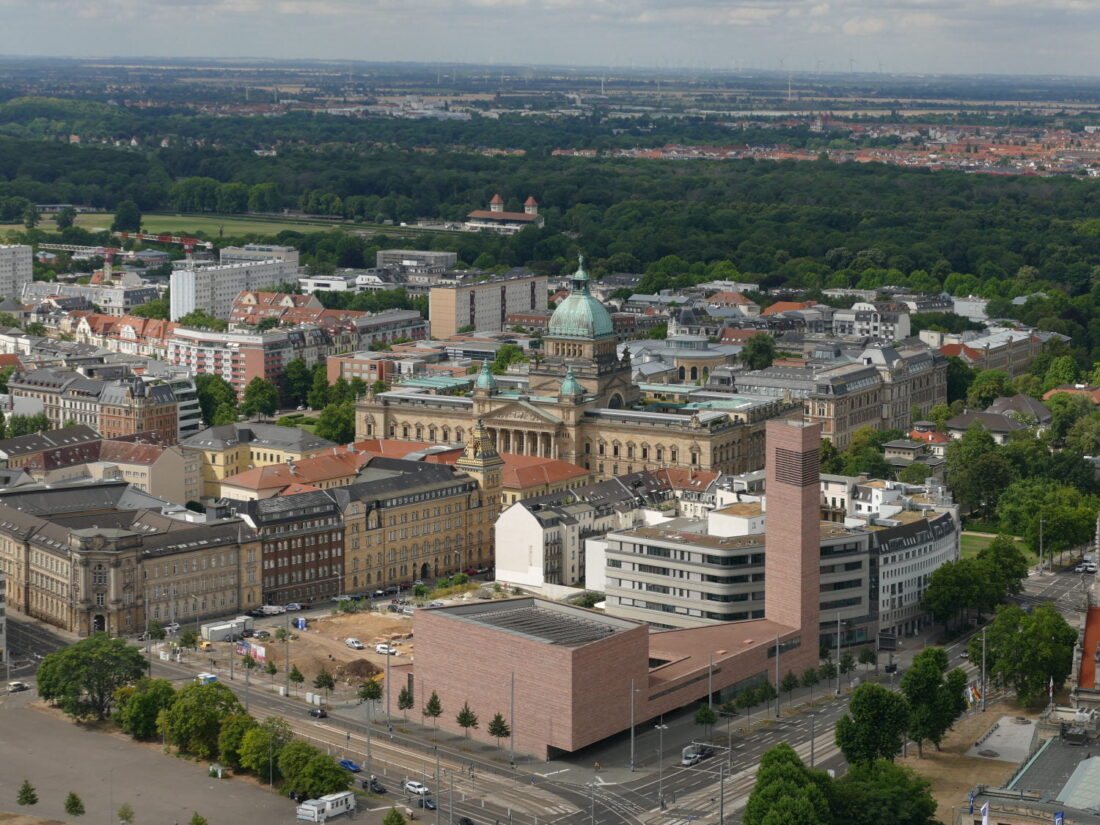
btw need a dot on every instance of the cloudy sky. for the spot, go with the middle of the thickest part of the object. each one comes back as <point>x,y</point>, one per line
<point>936,36</point>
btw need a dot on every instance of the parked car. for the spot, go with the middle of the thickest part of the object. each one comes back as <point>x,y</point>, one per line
<point>437,604</point>
<point>261,634</point>
<point>705,751</point>
<point>172,627</point>
<point>690,759</point>
<point>465,820</point>
<point>341,598</point>
<point>318,713</point>
<point>293,606</point>
<point>426,802</point>
<point>385,649</point>
<point>1090,567</point>
<point>373,785</point>
<point>248,634</point>
<point>418,788</point>
<point>297,796</point>
<point>354,644</point>
<point>377,594</point>
<point>16,687</point>
<point>1080,568</point>
<point>348,765</point>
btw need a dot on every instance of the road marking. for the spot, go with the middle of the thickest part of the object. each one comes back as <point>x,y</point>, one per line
<point>554,773</point>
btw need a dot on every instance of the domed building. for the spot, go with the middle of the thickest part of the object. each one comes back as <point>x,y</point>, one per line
<point>578,406</point>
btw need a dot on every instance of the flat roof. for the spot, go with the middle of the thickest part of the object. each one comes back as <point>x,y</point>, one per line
<point>544,621</point>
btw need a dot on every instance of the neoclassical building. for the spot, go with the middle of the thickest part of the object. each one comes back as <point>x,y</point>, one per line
<point>578,406</point>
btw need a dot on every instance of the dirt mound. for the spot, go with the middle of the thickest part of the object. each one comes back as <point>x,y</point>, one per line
<point>358,669</point>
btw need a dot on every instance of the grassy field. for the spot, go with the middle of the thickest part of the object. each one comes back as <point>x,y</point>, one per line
<point>971,545</point>
<point>212,227</point>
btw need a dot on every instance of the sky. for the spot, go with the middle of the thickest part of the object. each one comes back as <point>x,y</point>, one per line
<point>910,36</point>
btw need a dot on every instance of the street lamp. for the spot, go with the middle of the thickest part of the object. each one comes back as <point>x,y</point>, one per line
<point>633,690</point>
<point>813,720</point>
<point>660,764</point>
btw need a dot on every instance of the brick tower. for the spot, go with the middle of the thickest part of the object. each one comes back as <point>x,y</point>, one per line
<point>792,529</point>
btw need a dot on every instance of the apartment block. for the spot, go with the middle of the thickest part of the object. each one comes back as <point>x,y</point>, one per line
<point>16,270</point>
<point>416,261</point>
<point>238,357</point>
<point>114,407</point>
<point>257,253</point>
<point>112,299</point>
<point>484,305</point>
<point>214,288</point>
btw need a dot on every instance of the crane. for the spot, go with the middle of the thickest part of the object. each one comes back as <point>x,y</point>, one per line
<point>188,244</point>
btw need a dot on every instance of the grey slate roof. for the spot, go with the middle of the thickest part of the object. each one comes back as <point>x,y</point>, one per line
<point>37,442</point>
<point>262,435</point>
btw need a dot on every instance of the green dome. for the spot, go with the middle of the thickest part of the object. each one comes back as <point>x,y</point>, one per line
<point>580,315</point>
<point>570,386</point>
<point>485,379</point>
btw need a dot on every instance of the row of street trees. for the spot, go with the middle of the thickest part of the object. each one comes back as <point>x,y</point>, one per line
<point>976,584</point>
<point>433,709</point>
<point>101,676</point>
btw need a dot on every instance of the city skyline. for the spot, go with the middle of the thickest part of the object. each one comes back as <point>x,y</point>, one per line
<point>800,36</point>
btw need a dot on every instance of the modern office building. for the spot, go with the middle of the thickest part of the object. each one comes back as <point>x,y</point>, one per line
<point>257,253</point>
<point>16,270</point>
<point>416,261</point>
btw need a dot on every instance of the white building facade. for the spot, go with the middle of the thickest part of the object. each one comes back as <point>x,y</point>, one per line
<point>16,270</point>
<point>214,288</point>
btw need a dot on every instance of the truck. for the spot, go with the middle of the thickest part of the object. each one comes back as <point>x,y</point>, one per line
<point>333,804</point>
<point>222,631</point>
<point>206,678</point>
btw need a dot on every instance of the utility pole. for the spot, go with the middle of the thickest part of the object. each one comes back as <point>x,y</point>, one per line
<point>813,721</point>
<point>286,652</point>
<point>388,719</point>
<point>1051,568</point>
<point>512,719</point>
<point>368,751</point>
<point>661,728</point>
<point>838,654</point>
<point>631,724</point>
<point>721,793</point>
<point>776,675</point>
<point>983,670</point>
<point>438,788</point>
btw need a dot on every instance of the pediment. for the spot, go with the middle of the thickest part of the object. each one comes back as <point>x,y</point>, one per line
<point>520,412</point>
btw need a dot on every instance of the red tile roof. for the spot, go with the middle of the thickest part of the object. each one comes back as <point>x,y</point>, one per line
<point>788,306</point>
<point>485,214</point>
<point>729,299</point>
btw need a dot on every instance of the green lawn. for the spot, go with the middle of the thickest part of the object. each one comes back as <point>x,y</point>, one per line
<point>972,544</point>
<point>209,226</point>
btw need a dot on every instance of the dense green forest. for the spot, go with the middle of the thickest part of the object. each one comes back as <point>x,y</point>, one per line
<point>782,225</point>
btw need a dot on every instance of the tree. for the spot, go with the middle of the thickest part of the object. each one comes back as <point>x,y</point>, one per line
<point>292,760</point>
<point>296,380</point>
<point>27,794</point>
<point>324,681</point>
<point>1006,562</point>
<point>36,328</point>
<point>126,814</point>
<point>759,351</point>
<point>370,691</point>
<point>189,638</point>
<point>872,729</point>
<point>213,392</point>
<point>915,473</point>
<point>987,387</point>
<point>433,708</point>
<point>404,700</point>
<point>1025,651</point>
<point>138,707</point>
<point>498,728</point>
<point>260,398</point>
<point>466,719</point>
<point>317,398</point>
<point>320,776</point>
<point>296,677</point>
<point>340,392</point>
<point>156,631</point>
<point>882,792</point>
<point>847,662</point>
<point>507,355</point>
<point>337,423</point>
<point>1083,437</point>
<point>28,424</point>
<point>74,806</point>
<point>197,819</point>
<point>224,414</point>
<point>127,217</point>
<point>786,791</point>
<point>30,217</point>
<point>706,717</point>
<point>201,319</point>
<point>65,218</point>
<point>83,677</point>
<point>393,817</point>
<point>959,377</point>
<point>747,700</point>
<point>193,722</point>
<point>935,696</point>
<point>789,684</point>
<point>233,730</point>
<point>809,679</point>
<point>263,745</point>
<point>272,669</point>
<point>867,656</point>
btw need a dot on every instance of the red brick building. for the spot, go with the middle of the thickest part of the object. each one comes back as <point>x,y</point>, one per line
<point>569,672</point>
